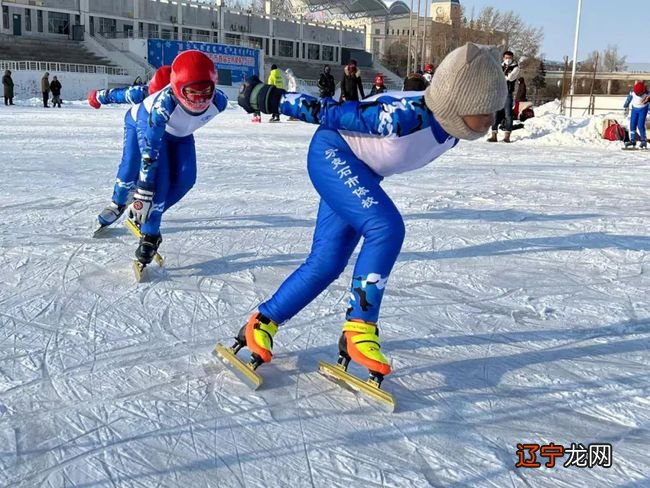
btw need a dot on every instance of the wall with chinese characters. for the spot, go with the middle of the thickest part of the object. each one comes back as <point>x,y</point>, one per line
<point>233,62</point>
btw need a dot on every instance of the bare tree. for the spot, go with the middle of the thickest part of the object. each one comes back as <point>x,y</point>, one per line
<point>523,39</point>
<point>612,60</point>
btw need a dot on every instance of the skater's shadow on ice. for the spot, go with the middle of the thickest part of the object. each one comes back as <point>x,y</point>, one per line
<point>509,215</point>
<point>572,242</point>
<point>238,223</point>
<point>487,372</point>
<point>240,262</point>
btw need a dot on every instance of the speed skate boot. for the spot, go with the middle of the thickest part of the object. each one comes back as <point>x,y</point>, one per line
<point>643,145</point>
<point>360,343</point>
<point>147,248</point>
<point>257,335</point>
<point>110,214</point>
<point>631,144</point>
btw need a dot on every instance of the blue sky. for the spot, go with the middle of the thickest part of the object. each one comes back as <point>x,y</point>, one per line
<point>603,22</point>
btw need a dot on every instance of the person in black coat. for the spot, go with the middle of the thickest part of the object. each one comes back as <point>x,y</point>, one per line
<point>351,85</point>
<point>415,82</point>
<point>55,88</point>
<point>8,86</point>
<point>326,83</point>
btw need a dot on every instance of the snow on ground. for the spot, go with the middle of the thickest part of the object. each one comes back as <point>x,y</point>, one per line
<point>518,312</point>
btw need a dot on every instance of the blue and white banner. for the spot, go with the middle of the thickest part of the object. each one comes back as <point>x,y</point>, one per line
<point>239,61</point>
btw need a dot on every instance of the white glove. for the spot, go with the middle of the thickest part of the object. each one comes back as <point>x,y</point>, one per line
<point>140,208</point>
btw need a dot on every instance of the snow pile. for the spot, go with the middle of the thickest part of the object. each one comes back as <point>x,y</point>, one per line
<point>550,127</point>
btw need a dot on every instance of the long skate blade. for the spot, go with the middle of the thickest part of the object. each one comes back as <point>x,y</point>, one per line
<point>101,230</point>
<point>160,260</point>
<point>340,375</point>
<point>138,270</point>
<point>241,369</point>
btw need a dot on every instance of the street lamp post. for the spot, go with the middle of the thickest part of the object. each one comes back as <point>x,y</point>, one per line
<point>575,57</point>
<point>408,62</point>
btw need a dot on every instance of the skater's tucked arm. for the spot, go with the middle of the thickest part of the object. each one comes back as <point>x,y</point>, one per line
<point>132,95</point>
<point>150,136</point>
<point>220,100</point>
<point>628,100</point>
<point>385,116</point>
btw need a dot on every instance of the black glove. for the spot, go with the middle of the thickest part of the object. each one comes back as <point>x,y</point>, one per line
<point>255,96</point>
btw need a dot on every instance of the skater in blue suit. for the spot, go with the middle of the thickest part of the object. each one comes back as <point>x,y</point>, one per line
<point>357,145</point>
<point>129,167</point>
<point>159,141</point>
<point>639,98</point>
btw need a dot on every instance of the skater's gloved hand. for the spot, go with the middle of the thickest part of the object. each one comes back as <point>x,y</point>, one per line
<point>92,99</point>
<point>255,96</point>
<point>140,208</point>
<point>626,112</point>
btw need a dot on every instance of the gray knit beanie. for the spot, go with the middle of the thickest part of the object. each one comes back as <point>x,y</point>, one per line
<point>469,81</point>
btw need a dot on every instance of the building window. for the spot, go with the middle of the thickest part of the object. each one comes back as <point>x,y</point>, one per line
<point>313,51</point>
<point>202,35</point>
<point>58,23</point>
<point>107,26</point>
<point>39,20</point>
<point>187,34</point>
<point>328,53</point>
<point>5,17</point>
<point>256,42</point>
<point>28,20</point>
<point>166,34</point>
<point>152,31</point>
<point>285,48</point>
<point>377,32</point>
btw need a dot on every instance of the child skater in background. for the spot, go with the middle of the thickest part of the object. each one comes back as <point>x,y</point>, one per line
<point>639,98</point>
<point>159,141</point>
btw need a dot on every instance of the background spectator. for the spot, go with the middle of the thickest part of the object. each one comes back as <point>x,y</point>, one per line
<point>55,88</point>
<point>379,86</point>
<point>415,82</point>
<point>511,72</point>
<point>428,73</point>
<point>326,83</point>
<point>45,88</point>
<point>351,85</point>
<point>275,79</point>
<point>8,85</point>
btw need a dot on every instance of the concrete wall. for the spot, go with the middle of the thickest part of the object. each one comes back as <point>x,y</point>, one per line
<point>27,84</point>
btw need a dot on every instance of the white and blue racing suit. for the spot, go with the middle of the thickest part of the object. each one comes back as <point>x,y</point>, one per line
<point>356,146</point>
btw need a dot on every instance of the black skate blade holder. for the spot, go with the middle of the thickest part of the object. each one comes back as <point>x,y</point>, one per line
<point>255,361</point>
<point>373,377</point>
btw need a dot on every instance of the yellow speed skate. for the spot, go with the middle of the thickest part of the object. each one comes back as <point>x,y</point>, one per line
<point>360,343</point>
<point>257,335</point>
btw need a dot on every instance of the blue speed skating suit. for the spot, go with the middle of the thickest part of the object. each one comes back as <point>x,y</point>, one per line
<point>356,146</point>
<point>158,129</point>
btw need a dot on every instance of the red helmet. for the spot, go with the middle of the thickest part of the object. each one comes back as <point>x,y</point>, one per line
<point>639,88</point>
<point>379,79</point>
<point>160,79</point>
<point>193,80</point>
<point>428,68</point>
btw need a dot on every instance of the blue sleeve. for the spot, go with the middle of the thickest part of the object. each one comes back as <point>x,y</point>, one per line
<point>132,94</point>
<point>220,100</point>
<point>628,100</point>
<point>151,129</point>
<point>385,116</point>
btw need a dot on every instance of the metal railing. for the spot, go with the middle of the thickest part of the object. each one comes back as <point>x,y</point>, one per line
<point>62,67</point>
